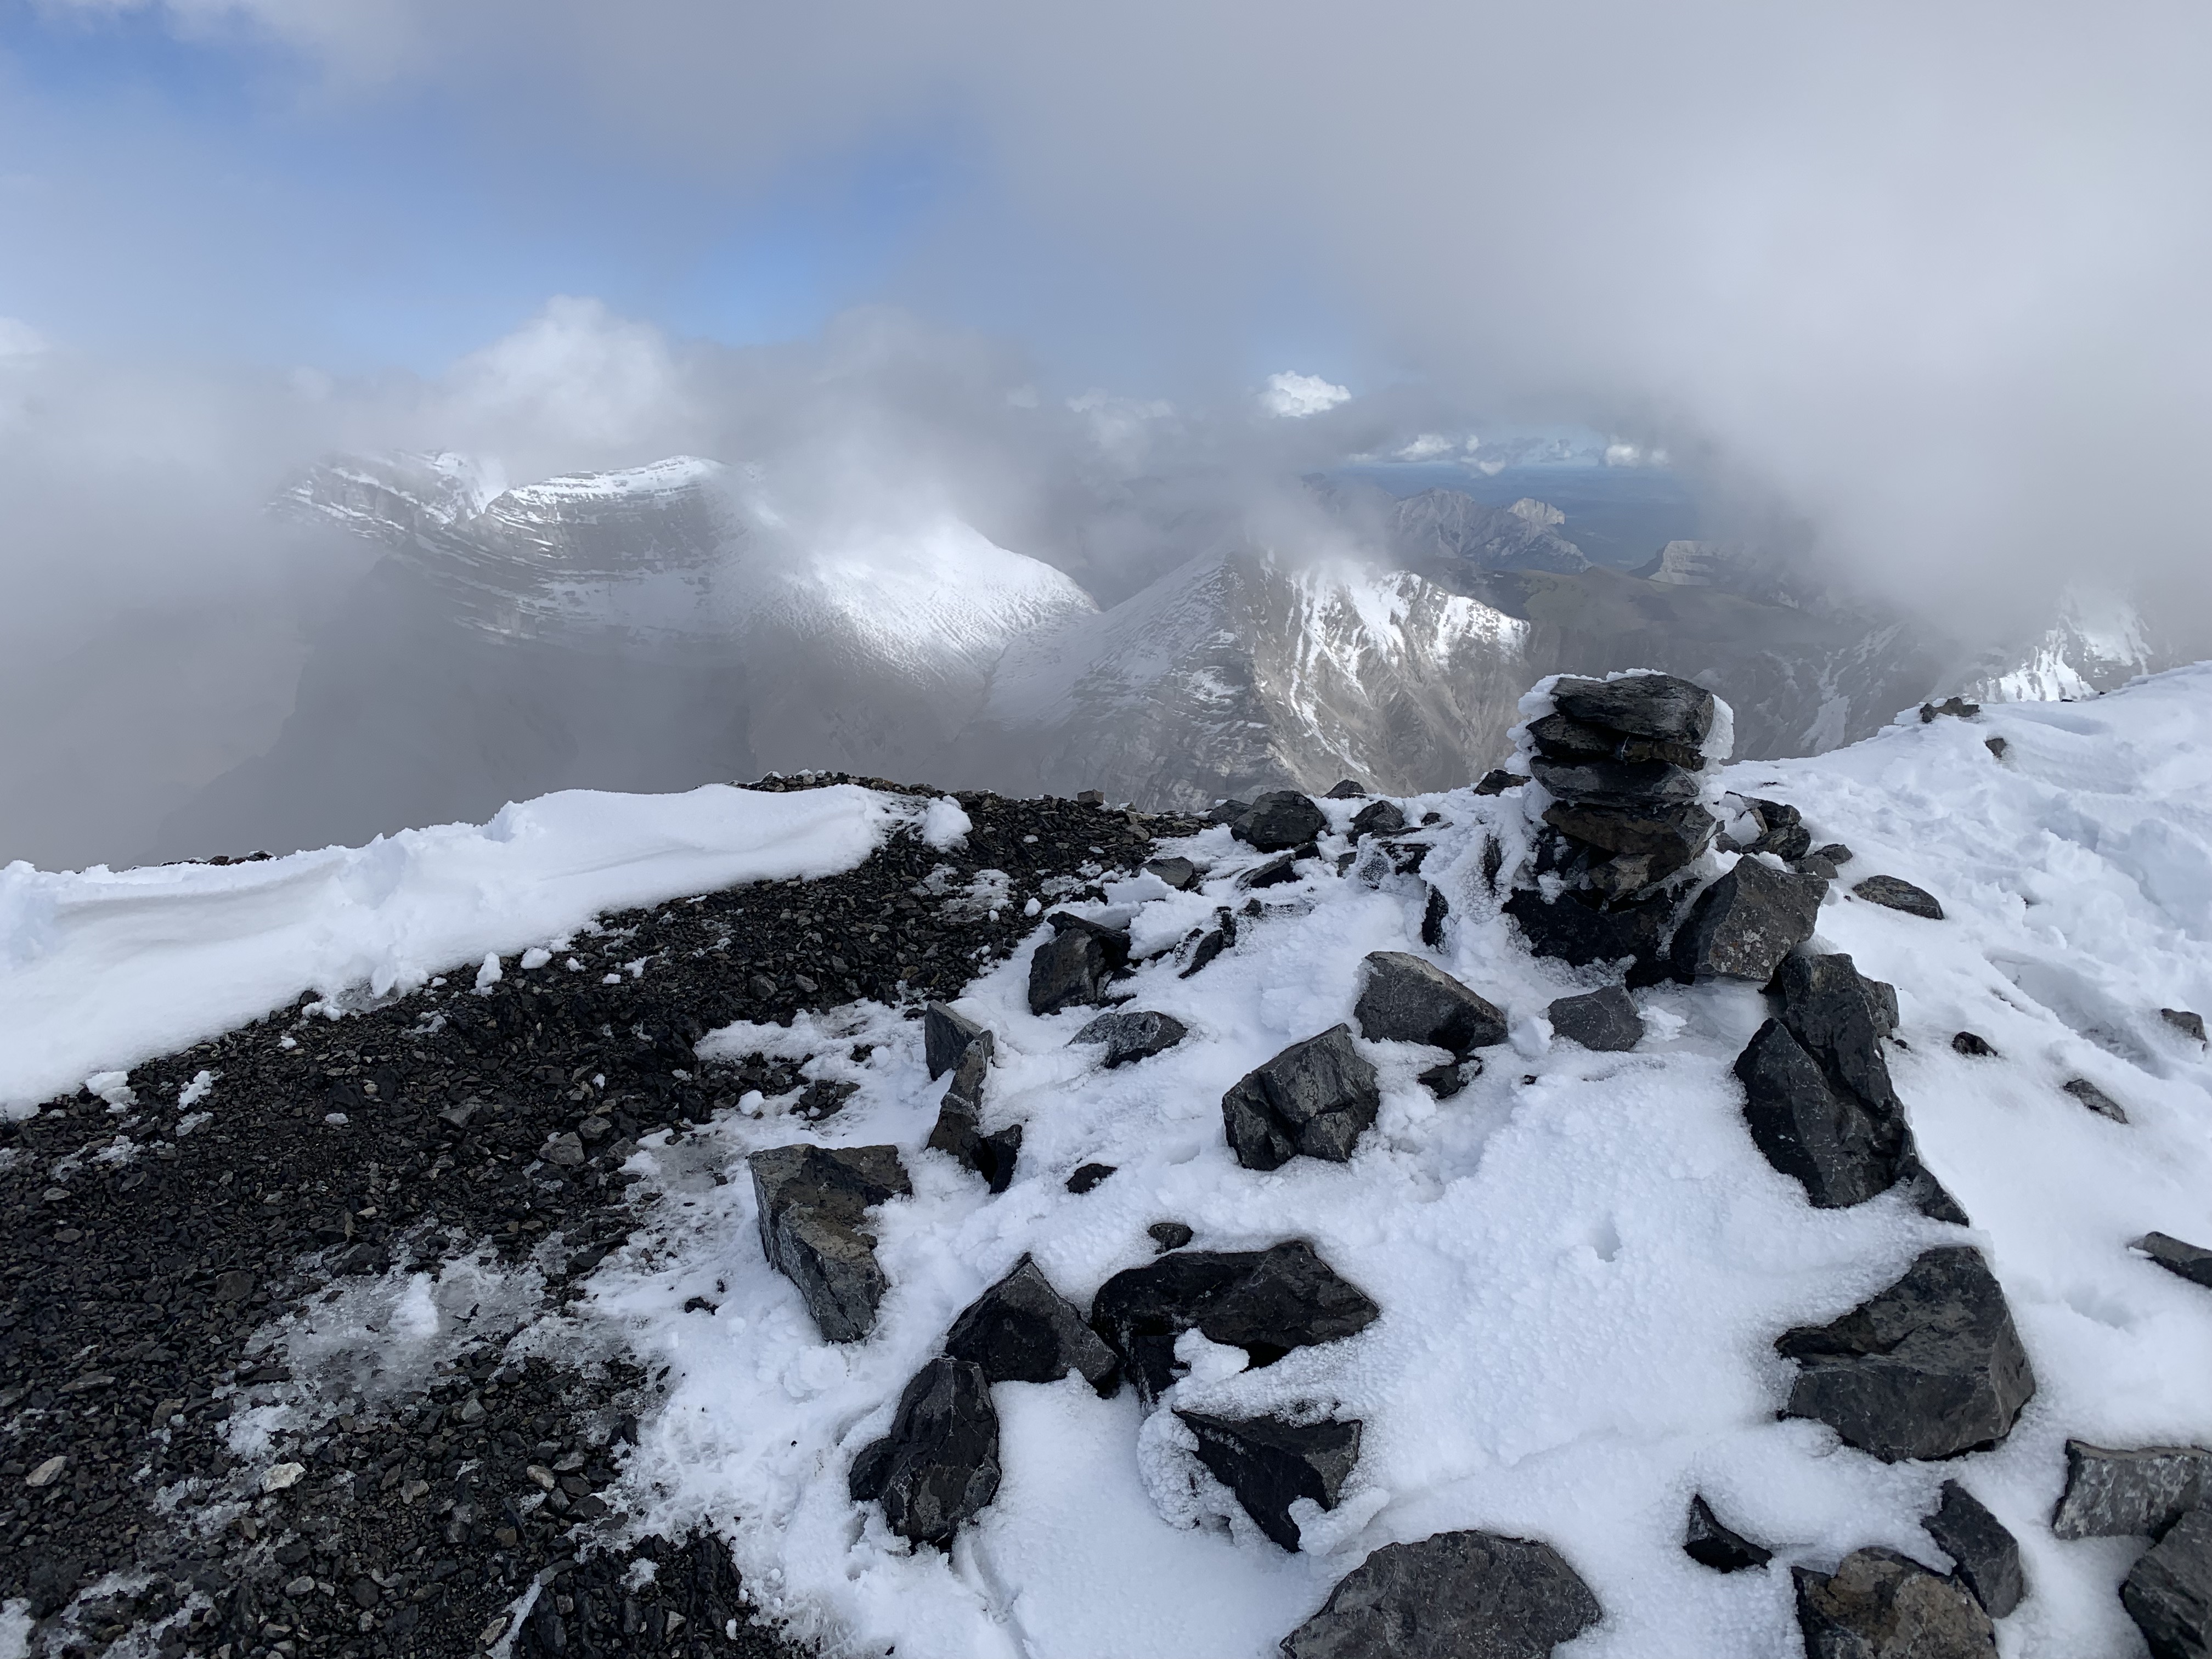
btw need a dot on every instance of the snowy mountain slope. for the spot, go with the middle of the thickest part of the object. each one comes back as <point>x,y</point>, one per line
<point>1446,525</point>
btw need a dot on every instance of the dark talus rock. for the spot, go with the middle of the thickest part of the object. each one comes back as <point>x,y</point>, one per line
<point>1346,789</point>
<point>1168,1235</point>
<point>1283,867</point>
<point>1894,894</point>
<point>1455,1596</point>
<point>1088,1177</point>
<point>938,1466</point>
<point>1403,999</point>
<point>1744,924</point>
<point>1640,706</point>
<point>1558,738</point>
<point>1811,865</point>
<point>1972,1046</point>
<point>1228,811</point>
<point>811,1200</point>
<point>1576,929</point>
<point>1881,1605</point>
<point>1835,853</point>
<point>1820,1136</point>
<point>1179,873</point>
<point>1069,970</point>
<point>1279,820</point>
<point>945,1036</point>
<point>1995,746</point>
<point>1924,1192</point>
<point>1379,818</point>
<point>1929,1368</point>
<point>2168,1593</point>
<point>1839,1018</point>
<point>1498,781</point>
<point>1639,784</point>
<point>1605,1020</point>
<point>2191,1262</point>
<point>1665,837</point>
<point>2095,1099</point>
<point>1270,1463</point>
<point>1957,708</point>
<point>1447,1079</point>
<point>824,1097</point>
<point>1709,1544</point>
<point>1987,1555</point>
<point>2138,1492</point>
<point>1132,1037</point>
<point>1217,939</point>
<point>2184,1022</point>
<point>1021,1330</point>
<point>1316,1097</point>
<point>1434,914</point>
<point>1114,941</point>
<point>1265,1302</point>
<point>959,1127</point>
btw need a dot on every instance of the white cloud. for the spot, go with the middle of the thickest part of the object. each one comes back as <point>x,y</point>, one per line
<point>1426,447</point>
<point>1295,396</point>
<point>19,339</point>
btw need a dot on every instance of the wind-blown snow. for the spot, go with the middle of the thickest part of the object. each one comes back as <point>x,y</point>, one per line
<point>102,968</point>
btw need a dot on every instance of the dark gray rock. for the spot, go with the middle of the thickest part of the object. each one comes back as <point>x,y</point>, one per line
<point>959,1127</point>
<point>1228,811</point>
<point>1379,818</point>
<point>1986,1553</point>
<point>1316,1097</point>
<point>1179,873</point>
<point>810,1202</point>
<point>824,1097</point>
<point>938,1466</point>
<point>1457,1596</point>
<point>2094,1098</point>
<point>1168,1235</point>
<point>1663,838</point>
<point>1277,870</point>
<point>1972,1046</point>
<point>1839,1018</point>
<point>1088,1177</point>
<point>1265,1302</point>
<point>1811,865</point>
<point>1403,999</point>
<point>1605,1020</point>
<point>945,1036</point>
<point>1957,708</point>
<point>1021,1330</point>
<point>1893,894</point>
<point>1434,914</point>
<point>1639,706</point>
<point>1709,1544</point>
<point>1558,738</point>
<point>1212,943</point>
<point>1744,924</point>
<point>1635,784</point>
<point>2138,1492</point>
<point>1114,941</point>
<point>1269,1463</point>
<point>1346,789</point>
<point>2191,1262</point>
<point>1279,820</point>
<point>1929,1368</point>
<point>1835,853</point>
<point>1829,1142</point>
<point>1498,781</point>
<point>1447,1079</point>
<point>1995,746</point>
<point>1132,1037</point>
<point>1069,970</point>
<point>1881,1605</point>
<point>2168,1593</point>
<point>1920,1188</point>
<point>2183,1021</point>
<point>1578,930</point>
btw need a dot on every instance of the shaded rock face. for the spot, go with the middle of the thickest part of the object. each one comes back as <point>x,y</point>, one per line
<point>1270,1463</point>
<point>2095,1099</point>
<point>1929,1368</point>
<point>2188,1025</point>
<point>1379,818</point>
<point>2191,1261</point>
<point>1561,735</point>
<point>1709,1544</point>
<point>1987,1556</point>
<point>1578,929</point>
<point>1620,850</point>
<point>1657,707</point>
<point>946,1035</point>
<point>938,1466</point>
<point>1178,873</point>
<point>2168,1593</point>
<point>1457,1596</point>
<point>1132,1037</point>
<point>1744,924</point>
<point>1021,1330</point>
<point>2139,1492</point>
<point>1881,1605</point>
<point>810,1201</point>
<point>1893,894</point>
<point>1406,1000</point>
<point>1069,970</point>
<point>1606,1021</point>
<point>1265,1302</point>
<point>959,1127</point>
<point>1316,1097</point>
<point>1279,820</point>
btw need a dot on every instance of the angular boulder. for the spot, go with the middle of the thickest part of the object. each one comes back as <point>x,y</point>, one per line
<point>1987,1555</point>
<point>1069,970</point>
<point>1403,999</point>
<point>938,1466</point>
<point>2138,1492</point>
<point>1839,1016</point>
<point>1574,929</point>
<point>1824,1139</point>
<point>946,1035</point>
<point>1606,1021</point>
<point>1918,1183</point>
<point>1658,705</point>
<point>959,1127</point>
<point>1265,1302</point>
<point>810,1201</point>
<point>1457,1596</point>
<point>1379,818</point>
<point>1114,941</point>
<point>1638,783</point>
<point>1559,738</point>
<point>1894,894</point>
<point>1132,1037</point>
<point>1666,837</point>
<point>1498,781</point>
<point>1179,873</point>
<point>2095,1099</point>
<point>2168,1593</point>
<point>1881,1605</point>
<point>1744,924</point>
<point>1709,1544</point>
<point>1345,789</point>
<point>2188,1025</point>
<point>1279,820</point>
<point>1317,1098</point>
<point>2189,1262</point>
<point>1269,1463</point>
<point>1928,1368</point>
<point>1021,1330</point>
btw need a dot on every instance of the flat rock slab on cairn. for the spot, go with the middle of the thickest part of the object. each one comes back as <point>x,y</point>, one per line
<point>2168,1593</point>
<point>1279,821</point>
<point>811,1200</point>
<point>1021,1330</point>
<point>1893,894</point>
<point>1881,1605</point>
<point>1987,1555</point>
<point>1127,1037</point>
<point>1928,1368</point>
<point>1744,924</point>
<point>1265,1302</point>
<point>1457,1596</point>
<point>1315,1098</point>
<point>938,1466</point>
<point>1406,1000</point>
<point>2138,1492</point>
<point>1270,1463</point>
<point>2189,1262</point>
<point>1604,1021</point>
